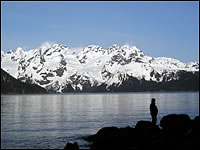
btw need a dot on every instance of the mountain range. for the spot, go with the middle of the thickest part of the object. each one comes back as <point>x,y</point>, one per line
<point>59,69</point>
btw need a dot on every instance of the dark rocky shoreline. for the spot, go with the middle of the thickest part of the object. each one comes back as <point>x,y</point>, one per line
<point>176,131</point>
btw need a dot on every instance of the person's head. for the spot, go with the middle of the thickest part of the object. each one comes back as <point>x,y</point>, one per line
<point>153,100</point>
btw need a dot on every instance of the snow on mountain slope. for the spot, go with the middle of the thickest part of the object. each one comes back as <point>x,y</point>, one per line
<point>54,66</point>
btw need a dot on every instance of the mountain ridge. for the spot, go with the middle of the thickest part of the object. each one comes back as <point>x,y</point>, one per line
<point>58,68</point>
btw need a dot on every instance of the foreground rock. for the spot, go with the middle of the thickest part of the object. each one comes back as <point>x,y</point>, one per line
<point>176,132</point>
<point>72,146</point>
<point>175,124</point>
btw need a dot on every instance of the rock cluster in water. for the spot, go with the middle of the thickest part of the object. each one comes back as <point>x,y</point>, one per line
<point>175,132</point>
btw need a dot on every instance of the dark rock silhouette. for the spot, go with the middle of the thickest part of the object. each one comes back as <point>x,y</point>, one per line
<point>177,132</point>
<point>195,132</point>
<point>104,132</point>
<point>144,125</point>
<point>176,124</point>
<point>72,146</point>
<point>115,138</point>
<point>147,128</point>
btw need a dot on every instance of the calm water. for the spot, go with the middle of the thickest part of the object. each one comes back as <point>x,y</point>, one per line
<point>50,121</point>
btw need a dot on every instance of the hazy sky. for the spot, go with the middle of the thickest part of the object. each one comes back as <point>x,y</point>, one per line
<point>168,29</point>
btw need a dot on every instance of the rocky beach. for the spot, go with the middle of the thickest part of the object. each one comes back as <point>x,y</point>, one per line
<point>175,131</point>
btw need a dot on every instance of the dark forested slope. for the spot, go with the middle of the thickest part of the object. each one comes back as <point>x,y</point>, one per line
<point>10,85</point>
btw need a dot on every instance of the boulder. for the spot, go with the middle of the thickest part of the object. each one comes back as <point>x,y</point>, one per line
<point>142,125</point>
<point>196,123</point>
<point>116,138</point>
<point>102,133</point>
<point>175,124</point>
<point>72,146</point>
<point>147,128</point>
<point>195,132</point>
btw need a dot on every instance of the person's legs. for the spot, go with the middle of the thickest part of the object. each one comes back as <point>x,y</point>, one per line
<point>154,120</point>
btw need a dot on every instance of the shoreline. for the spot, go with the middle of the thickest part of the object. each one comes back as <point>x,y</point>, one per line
<point>85,93</point>
<point>175,131</point>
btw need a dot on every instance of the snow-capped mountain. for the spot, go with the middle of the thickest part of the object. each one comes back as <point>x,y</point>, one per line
<point>58,68</point>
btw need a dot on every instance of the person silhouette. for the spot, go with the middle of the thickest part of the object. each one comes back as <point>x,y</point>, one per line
<point>154,111</point>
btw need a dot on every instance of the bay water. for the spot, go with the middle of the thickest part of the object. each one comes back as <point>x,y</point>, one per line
<point>50,121</point>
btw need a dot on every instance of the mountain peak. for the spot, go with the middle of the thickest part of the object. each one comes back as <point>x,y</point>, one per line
<point>19,49</point>
<point>46,45</point>
<point>94,48</point>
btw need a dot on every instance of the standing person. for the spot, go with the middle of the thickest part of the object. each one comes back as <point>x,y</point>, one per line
<point>154,111</point>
